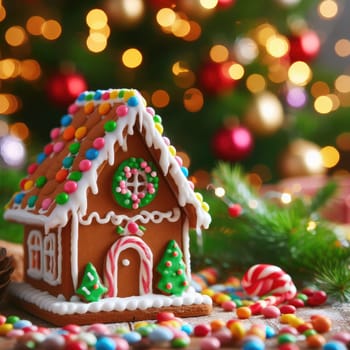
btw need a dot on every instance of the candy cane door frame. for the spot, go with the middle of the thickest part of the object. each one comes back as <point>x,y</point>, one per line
<point>113,260</point>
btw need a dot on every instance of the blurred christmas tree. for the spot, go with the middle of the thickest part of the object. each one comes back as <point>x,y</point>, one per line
<point>232,80</point>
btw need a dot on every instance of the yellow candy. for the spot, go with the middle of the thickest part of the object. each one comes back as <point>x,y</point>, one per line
<point>296,322</point>
<point>257,330</point>
<point>113,94</point>
<point>5,328</point>
<point>237,330</point>
<point>205,206</point>
<point>140,324</point>
<point>80,132</point>
<point>159,127</point>
<point>128,94</point>
<point>208,291</point>
<point>199,196</point>
<point>172,150</point>
<point>246,302</point>
<point>28,185</point>
<point>287,318</point>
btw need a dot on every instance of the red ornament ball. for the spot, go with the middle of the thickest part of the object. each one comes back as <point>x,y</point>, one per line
<point>234,210</point>
<point>226,3</point>
<point>304,47</point>
<point>232,144</point>
<point>215,77</point>
<point>63,88</point>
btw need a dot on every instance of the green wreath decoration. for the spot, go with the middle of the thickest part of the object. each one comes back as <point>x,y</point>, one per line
<point>135,183</point>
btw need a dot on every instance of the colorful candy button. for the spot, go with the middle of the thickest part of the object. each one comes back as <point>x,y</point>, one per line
<point>62,198</point>
<point>75,175</point>
<point>40,157</point>
<point>66,120</point>
<point>89,107</point>
<point>104,108</point>
<point>122,110</point>
<point>18,198</point>
<point>99,143</point>
<point>70,186</point>
<point>85,165</point>
<point>110,126</point>
<point>45,204</point>
<point>133,101</point>
<point>31,168</point>
<point>58,147</point>
<point>67,162</point>
<point>74,147</point>
<point>91,153</point>
<point>80,132</point>
<point>68,133</point>
<point>61,175</point>
<point>54,133</point>
<point>31,201</point>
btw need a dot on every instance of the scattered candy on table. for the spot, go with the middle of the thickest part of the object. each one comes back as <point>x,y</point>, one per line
<point>169,331</point>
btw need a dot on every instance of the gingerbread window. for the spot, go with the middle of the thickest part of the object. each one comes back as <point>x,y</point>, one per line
<point>34,254</point>
<point>49,258</point>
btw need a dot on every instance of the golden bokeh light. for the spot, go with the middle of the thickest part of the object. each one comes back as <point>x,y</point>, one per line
<point>132,58</point>
<point>166,17</point>
<point>264,32</point>
<point>277,45</point>
<point>105,31</point>
<point>51,29</point>
<point>193,100</point>
<point>236,71</point>
<point>34,25</point>
<point>278,73</point>
<point>179,67</point>
<point>219,53</point>
<point>15,36</point>
<point>186,160</point>
<point>208,4</point>
<point>20,130</point>
<point>9,104</point>
<point>255,83</point>
<point>180,28</point>
<point>30,69</point>
<point>342,83</point>
<point>299,73</point>
<point>342,47</point>
<point>160,98</point>
<point>330,156</point>
<point>323,104</point>
<point>194,33</point>
<point>328,9</point>
<point>319,88</point>
<point>343,141</point>
<point>9,68</point>
<point>96,19</point>
<point>185,79</point>
<point>96,42</point>
<point>2,13</point>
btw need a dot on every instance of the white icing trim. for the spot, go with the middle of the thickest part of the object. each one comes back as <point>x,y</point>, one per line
<point>144,216</point>
<point>56,305</point>
<point>74,249</point>
<point>186,248</point>
<point>78,201</point>
<point>35,249</point>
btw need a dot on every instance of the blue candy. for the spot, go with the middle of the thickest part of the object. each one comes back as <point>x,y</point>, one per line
<point>187,328</point>
<point>254,343</point>
<point>40,157</point>
<point>269,332</point>
<point>161,334</point>
<point>132,337</point>
<point>334,345</point>
<point>22,324</point>
<point>91,153</point>
<point>105,343</point>
<point>133,101</point>
<point>66,120</point>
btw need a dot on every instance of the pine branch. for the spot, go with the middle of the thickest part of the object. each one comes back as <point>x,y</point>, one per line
<point>292,236</point>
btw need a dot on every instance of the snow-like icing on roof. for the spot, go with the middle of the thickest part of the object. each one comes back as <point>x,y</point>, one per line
<point>120,111</point>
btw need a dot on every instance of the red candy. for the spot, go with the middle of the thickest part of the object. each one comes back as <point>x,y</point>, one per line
<point>296,302</point>
<point>317,298</point>
<point>271,311</point>
<point>201,330</point>
<point>287,309</point>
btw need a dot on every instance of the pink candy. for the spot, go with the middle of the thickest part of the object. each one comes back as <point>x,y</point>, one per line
<point>122,110</point>
<point>85,165</point>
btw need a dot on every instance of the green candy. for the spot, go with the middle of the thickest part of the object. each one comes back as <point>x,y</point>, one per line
<point>75,175</point>
<point>110,126</point>
<point>12,319</point>
<point>32,200</point>
<point>40,181</point>
<point>286,338</point>
<point>182,342</point>
<point>157,119</point>
<point>74,147</point>
<point>62,198</point>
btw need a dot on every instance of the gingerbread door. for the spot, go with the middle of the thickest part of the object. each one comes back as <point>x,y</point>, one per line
<point>128,268</point>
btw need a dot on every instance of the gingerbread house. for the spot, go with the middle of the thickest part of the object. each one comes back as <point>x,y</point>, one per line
<point>106,210</point>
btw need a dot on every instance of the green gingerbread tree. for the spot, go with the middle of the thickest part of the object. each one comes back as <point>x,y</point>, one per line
<point>172,270</point>
<point>91,288</point>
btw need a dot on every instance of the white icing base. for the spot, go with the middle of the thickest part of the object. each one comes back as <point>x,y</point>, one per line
<point>56,305</point>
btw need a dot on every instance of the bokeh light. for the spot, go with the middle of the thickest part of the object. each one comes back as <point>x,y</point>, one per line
<point>323,104</point>
<point>246,50</point>
<point>236,71</point>
<point>296,97</point>
<point>96,19</point>
<point>51,29</point>
<point>218,53</point>
<point>12,151</point>
<point>193,100</point>
<point>277,45</point>
<point>96,42</point>
<point>160,98</point>
<point>342,83</point>
<point>328,9</point>
<point>319,88</point>
<point>15,36</point>
<point>299,73</point>
<point>255,83</point>
<point>166,17</point>
<point>9,104</point>
<point>330,156</point>
<point>30,70</point>
<point>343,141</point>
<point>208,4</point>
<point>19,130</point>
<point>342,47</point>
<point>132,58</point>
<point>34,25</point>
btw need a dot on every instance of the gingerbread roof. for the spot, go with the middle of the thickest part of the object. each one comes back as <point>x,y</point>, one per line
<point>58,182</point>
